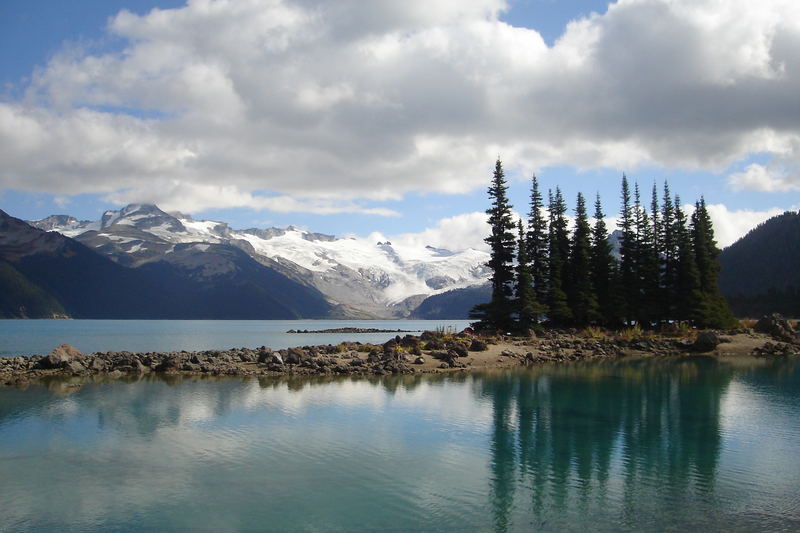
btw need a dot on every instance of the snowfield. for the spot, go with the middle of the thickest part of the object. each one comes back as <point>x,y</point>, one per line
<point>363,273</point>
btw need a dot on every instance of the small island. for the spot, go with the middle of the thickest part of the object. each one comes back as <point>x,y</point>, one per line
<point>353,330</point>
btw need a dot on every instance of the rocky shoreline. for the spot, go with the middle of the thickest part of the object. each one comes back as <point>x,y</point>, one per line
<point>430,352</point>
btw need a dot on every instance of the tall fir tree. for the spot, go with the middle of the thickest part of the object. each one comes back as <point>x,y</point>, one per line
<point>602,267</point>
<point>581,297</point>
<point>713,310</point>
<point>627,273</point>
<point>669,256</point>
<point>528,308</point>
<point>687,295</point>
<point>537,240</point>
<point>648,263</point>
<point>558,310</point>
<point>497,314</point>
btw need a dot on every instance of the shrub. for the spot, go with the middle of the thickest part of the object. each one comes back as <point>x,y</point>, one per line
<point>593,332</point>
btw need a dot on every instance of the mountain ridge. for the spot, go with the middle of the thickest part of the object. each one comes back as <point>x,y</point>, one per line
<point>359,278</point>
<point>55,275</point>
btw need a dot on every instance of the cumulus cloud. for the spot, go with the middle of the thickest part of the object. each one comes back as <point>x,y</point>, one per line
<point>338,103</point>
<point>732,225</point>
<point>459,232</point>
<point>766,178</point>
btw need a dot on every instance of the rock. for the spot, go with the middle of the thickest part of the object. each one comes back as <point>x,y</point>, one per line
<point>776,326</point>
<point>428,336</point>
<point>295,356</point>
<point>265,355</point>
<point>60,357</point>
<point>419,360</point>
<point>171,362</point>
<point>247,357</point>
<point>75,367</point>
<point>459,349</point>
<point>410,341</point>
<point>706,341</point>
<point>478,345</point>
<point>770,349</point>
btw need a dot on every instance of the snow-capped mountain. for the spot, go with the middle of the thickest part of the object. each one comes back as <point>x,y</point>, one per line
<point>362,276</point>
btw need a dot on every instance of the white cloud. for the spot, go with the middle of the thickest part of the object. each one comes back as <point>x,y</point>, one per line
<point>175,195</point>
<point>730,226</point>
<point>335,103</point>
<point>766,178</point>
<point>459,232</point>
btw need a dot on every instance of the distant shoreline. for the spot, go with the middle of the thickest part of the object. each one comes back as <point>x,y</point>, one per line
<point>354,330</point>
<point>431,352</point>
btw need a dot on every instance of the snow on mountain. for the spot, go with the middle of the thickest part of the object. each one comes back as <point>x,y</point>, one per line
<point>367,277</point>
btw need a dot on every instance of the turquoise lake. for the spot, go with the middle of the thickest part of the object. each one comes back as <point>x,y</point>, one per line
<point>31,337</point>
<point>686,444</point>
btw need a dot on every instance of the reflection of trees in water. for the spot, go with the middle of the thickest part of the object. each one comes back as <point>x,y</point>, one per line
<point>564,434</point>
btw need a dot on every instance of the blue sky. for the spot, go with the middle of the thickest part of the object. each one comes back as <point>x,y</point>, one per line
<point>349,119</point>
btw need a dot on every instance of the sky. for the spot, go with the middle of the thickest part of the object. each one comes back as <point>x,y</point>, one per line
<point>356,117</point>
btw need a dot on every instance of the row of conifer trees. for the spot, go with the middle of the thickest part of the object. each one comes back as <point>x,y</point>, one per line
<point>543,272</point>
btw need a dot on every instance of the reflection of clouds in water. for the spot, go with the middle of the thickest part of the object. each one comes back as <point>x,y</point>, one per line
<point>153,444</point>
<point>605,440</point>
<point>442,401</point>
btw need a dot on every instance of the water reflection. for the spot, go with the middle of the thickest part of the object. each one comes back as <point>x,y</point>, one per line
<point>615,446</point>
<point>583,439</point>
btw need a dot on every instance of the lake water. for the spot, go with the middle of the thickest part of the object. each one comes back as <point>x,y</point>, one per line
<point>29,337</point>
<point>660,445</point>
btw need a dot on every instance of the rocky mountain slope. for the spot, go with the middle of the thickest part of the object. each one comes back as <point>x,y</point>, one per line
<point>359,277</point>
<point>44,274</point>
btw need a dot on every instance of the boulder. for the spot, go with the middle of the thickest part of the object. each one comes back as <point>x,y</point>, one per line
<point>295,356</point>
<point>778,327</point>
<point>460,349</point>
<point>75,367</point>
<point>770,349</point>
<point>706,341</point>
<point>60,357</point>
<point>478,345</point>
<point>265,355</point>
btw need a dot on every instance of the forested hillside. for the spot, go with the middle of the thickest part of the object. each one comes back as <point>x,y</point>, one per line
<point>761,271</point>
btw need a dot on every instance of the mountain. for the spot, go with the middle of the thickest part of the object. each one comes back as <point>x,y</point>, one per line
<point>47,274</point>
<point>360,277</point>
<point>453,304</point>
<point>761,271</point>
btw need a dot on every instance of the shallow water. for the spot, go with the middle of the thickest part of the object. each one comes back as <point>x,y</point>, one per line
<point>29,337</point>
<point>666,445</point>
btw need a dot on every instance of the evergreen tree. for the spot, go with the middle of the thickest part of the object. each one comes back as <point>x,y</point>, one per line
<point>669,255</point>
<point>687,279</point>
<point>558,254</point>
<point>656,220</point>
<point>497,314</point>
<point>712,310</point>
<point>628,281</point>
<point>647,263</point>
<point>537,240</point>
<point>527,307</point>
<point>602,266</point>
<point>580,292</point>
